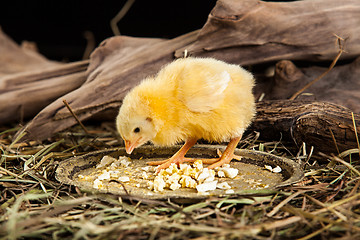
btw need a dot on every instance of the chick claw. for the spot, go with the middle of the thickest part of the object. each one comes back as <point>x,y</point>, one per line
<point>221,161</point>
<point>177,158</point>
<point>166,163</point>
<point>228,155</point>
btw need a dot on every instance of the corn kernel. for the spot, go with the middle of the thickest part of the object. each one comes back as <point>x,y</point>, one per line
<point>98,184</point>
<point>207,186</point>
<point>159,184</point>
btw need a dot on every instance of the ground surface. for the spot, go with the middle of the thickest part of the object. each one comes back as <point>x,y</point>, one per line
<point>325,205</point>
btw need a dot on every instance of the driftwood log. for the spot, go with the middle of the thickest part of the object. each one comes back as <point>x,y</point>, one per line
<point>121,62</point>
<point>15,59</point>
<point>24,94</point>
<point>341,85</point>
<point>326,126</point>
<point>241,32</point>
<point>250,32</point>
<point>29,82</point>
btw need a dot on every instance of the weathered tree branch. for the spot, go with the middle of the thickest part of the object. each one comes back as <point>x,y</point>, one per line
<point>29,82</point>
<point>116,66</point>
<point>250,32</point>
<point>240,32</point>
<point>341,85</point>
<point>309,122</point>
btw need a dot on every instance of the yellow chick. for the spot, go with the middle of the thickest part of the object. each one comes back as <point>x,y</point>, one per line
<point>189,99</point>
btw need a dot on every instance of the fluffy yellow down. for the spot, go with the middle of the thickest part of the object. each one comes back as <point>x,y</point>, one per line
<point>192,98</point>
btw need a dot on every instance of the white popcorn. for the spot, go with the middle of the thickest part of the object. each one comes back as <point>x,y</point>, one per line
<point>277,169</point>
<point>85,178</point>
<point>182,166</point>
<point>175,186</point>
<point>198,165</point>
<point>162,173</point>
<point>229,191</point>
<point>104,175</point>
<point>210,178</point>
<point>98,184</point>
<point>150,185</point>
<point>159,184</point>
<point>223,185</point>
<point>124,179</point>
<point>115,164</point>
<point>188,182</point>
<point>206,175</point>
<point>207,186</point>
<point>268,167</point>
<point>230,172</point>
<point>171,169</point>
<point>105,161</point>
<point>193,176</point>
<point>191,172</point>
<point>174,178</point>
<point>221,174</point>
<point>124,161</point>
<point>144,175</point>
<point>114,174</point>
<point>146,169</point>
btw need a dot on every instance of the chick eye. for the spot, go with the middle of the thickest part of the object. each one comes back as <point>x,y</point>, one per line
<point>136,130</point>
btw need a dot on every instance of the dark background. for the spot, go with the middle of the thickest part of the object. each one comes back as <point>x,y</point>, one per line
<point>57,27</point>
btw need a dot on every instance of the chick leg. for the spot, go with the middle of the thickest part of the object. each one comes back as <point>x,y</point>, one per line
<point>228,154</point>
<point>178,157</point>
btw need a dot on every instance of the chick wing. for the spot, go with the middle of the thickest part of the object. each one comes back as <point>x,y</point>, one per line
<point>201,88</point>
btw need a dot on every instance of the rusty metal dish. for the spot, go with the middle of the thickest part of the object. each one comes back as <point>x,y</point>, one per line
<point>252,173</point>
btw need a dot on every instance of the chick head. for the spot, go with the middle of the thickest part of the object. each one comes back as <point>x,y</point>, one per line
<point>135,123</point>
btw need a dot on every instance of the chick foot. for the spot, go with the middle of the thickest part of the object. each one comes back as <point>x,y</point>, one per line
<point>228,154</point>
<point>177,158</point>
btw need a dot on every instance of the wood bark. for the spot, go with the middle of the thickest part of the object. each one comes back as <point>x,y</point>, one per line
<point>341,85</point>
<point>326,126</point>
<point>240,32</point>
<point>116,66</point>
<point>243,32</point>
<point>15,59</point>
<point>250,32</point>
<point>29,82</point>
<point>25,94</point>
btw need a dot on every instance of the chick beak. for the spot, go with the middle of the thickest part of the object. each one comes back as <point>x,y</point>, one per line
<point>129,146</point>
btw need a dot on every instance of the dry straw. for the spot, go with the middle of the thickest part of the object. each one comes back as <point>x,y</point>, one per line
<point>34,205</point>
